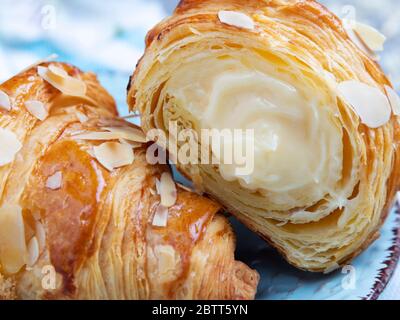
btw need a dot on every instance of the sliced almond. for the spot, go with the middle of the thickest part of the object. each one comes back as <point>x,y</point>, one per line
<point>94,135</point>
<point>167,190</point>
<point>133,144</point>
<point>372,38</point>
<point>128,133</point>
<point>12,239</point>
<point>184,187</point>
<point>349,27</point>
<point>5,102</point>
<point>33,252</point>
<point>236,19</point>
<point>114,155</point>
<point>54,182</point>
<point>58,71</point>
<point>160,218</point>
<point>81,116</point>
<point>40,235</point>
<point>37,109</point>
<point>394,100</point>
<point>369,103</point>
<point>10,146</point>
<point>62,81</point>
<point>158,188</point>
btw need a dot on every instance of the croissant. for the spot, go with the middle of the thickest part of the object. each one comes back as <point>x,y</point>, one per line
<point>325,161</point>
<point>83,215</point>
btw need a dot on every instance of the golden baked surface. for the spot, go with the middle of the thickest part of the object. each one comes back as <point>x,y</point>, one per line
<point>95,226</point>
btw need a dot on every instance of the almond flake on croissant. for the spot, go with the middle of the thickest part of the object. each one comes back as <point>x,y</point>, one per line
<point>326,159</point>
<point>89,223</point>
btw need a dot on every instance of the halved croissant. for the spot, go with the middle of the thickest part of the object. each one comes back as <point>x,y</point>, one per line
<point>95,230</point>
<point>326,159</point>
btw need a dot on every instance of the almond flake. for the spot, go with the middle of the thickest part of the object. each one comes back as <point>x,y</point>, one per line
<point>158,183</point>
<point>372,38</point>
<point>394,100</point>
<point>54,182</point>
<point>349,27</point>
<point>37,109</point>
<point>184,187</point>
<point>81,116</point>
<point>12,239</point>
<point>5,101</point>
<point>62,81</point>
<point>161,216</point>
<point>236,19</point>
<point>114,155</point>
<point>10,146</point>
<point>133,144</point>
<point>40,235</point>
<point>33,252</point>
<point>128,133</point>
<point>369,103</point>
<point>97,135</point>
<point>167,190</point>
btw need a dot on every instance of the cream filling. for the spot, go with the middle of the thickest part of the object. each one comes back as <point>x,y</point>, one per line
<point>297,143</point>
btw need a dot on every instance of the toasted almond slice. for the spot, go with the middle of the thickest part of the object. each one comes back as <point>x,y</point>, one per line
<point>158,184</point>
<point>161,216</point>
<point>114,155</point>
<point>37,109</point>
<point>128,133</point>
<point>5,102</point>
<point>12,239</point>
<point>10,146</point>
<point>66,84</point>
<point>236,19</point>
<point>54,182</point>
<point>394,100</point>
<point>349,27</point>
<point>133,144</point>
<point>184,187</point>
<point>33,252</point>
<point>97,135</point>
<point>58,71</point>
<point>372,38</point>
<point>81,116</point>
<point>40,235</point>
<point>167,190</point>
<point>369,103</point>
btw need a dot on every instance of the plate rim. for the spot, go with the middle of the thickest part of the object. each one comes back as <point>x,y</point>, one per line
<point>386,273</point>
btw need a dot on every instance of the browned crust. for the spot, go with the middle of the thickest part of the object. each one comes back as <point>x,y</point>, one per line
<point>78,216</point>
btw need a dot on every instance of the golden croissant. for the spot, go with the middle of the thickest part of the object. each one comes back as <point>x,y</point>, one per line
<point>326,140</point>
<point>81,213</point>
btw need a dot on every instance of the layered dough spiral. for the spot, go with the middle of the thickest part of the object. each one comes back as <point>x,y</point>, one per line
<point>63,207</point>
<point>323,180</point>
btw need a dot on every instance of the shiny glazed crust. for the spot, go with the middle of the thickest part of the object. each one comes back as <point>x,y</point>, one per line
<point>98,225</point>
<point>311,37</point>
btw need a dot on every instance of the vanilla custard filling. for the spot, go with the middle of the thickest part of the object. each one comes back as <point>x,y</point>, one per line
<point>297,143</point>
